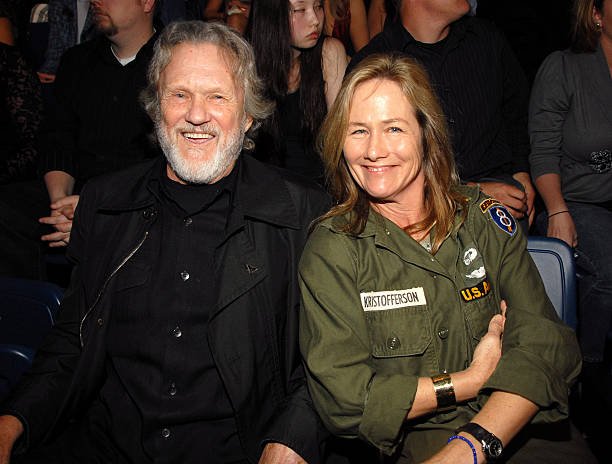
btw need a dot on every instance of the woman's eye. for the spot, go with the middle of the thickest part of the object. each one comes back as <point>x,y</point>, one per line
<point>395,129</point>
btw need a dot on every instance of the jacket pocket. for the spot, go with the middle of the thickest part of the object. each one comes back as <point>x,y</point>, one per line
<point>478,315</point>
<point>399,332</point>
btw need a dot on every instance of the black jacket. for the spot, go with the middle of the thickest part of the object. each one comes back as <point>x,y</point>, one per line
<point>252,334</point>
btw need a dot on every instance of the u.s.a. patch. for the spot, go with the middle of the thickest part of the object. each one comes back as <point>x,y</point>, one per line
<point>503,219</point>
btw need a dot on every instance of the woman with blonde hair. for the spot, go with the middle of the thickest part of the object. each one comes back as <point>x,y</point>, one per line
<point>402,283</point>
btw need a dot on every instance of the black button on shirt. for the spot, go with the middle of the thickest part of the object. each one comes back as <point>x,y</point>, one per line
<point>165,392</point>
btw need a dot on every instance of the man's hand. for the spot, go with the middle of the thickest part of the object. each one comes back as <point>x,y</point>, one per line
<point>530,192</point>
<point>62,213</point>
<point>277,453</point>
<point>10,430</point>
<point>512,197</point>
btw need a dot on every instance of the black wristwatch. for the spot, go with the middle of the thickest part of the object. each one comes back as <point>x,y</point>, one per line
<point>492,446</point>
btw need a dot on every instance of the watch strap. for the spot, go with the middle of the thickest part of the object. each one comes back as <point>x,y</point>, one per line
<point>486,438</point>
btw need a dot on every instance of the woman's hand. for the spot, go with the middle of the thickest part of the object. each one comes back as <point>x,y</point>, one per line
<point>489,350</point>
<point>562,226</point>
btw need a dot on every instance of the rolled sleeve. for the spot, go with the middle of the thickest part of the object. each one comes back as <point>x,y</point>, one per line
<point>541,358</point>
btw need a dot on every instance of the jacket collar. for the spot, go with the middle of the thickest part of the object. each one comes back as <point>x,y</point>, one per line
<point>399,38</point>
<point>261,193</point>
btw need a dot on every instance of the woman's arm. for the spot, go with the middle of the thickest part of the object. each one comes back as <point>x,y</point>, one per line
<point>560,222</point>
<point>466,383</point>
<point>504,415</point>
<point>550,102</point>
<point>359,32</point>
<point>334,65</point>
<point>377,14</point>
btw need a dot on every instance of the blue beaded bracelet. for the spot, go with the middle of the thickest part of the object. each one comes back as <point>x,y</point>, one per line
<point>454,437</point>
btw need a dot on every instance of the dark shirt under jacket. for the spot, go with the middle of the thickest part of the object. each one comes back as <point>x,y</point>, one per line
<point>482,89</point>
<point>168,401</point>
<point>99,125</point>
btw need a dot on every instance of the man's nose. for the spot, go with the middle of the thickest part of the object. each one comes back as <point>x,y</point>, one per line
<point>198,112</point>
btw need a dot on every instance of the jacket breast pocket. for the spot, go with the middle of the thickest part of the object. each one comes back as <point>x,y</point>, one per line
<point>399,332</point>
<point>478,315</point>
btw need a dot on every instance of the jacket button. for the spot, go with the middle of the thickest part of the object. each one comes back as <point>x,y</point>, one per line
<point>443,333</point>
<point>188,221</point>
<point>177,332</point>
<point>172,390</point>
<point>100,322</point>
<point>393,343</point>
<point>184,275</point>
<point>149,213</point>
<point>165,433</point>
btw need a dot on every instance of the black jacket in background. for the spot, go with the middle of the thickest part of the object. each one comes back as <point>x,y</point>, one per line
<point>98,124</point>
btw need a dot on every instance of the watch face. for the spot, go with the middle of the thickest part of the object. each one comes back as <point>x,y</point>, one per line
<point>495,448</point>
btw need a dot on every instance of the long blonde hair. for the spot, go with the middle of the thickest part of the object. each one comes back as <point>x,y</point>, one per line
<point>442,201</point>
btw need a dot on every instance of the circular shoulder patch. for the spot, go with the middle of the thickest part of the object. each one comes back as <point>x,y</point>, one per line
<point>503,219</point>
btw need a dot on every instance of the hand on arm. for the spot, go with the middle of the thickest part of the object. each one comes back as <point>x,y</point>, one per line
<point>530,193</point>
<point>277,453</point>
<point>466,383</point>
<point>11,429</point>
<point>60,186</point>
<point>512,197</point>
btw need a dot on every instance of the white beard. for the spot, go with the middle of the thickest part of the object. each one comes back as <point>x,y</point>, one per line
<point>206,171</point>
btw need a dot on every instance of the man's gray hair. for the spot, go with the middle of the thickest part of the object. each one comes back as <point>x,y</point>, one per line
<point>237,53</point>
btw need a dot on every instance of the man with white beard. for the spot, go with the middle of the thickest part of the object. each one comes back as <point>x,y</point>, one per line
<point>176,341</point>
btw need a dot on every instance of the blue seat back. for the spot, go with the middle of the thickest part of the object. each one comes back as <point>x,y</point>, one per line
<point>555,262</point>
<point>27,313</point>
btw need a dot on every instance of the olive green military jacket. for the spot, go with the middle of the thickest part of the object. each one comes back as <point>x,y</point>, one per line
<point>379,311</point>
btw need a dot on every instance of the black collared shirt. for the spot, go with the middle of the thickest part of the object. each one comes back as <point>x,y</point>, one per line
<point>166,400</point>
<point>98,124</point>
<point>482,89</point>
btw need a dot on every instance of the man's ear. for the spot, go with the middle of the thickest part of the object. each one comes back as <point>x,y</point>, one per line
<point>148,5</point>
<point>249,123</point>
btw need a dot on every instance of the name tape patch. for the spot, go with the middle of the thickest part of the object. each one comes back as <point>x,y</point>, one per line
<point>486,204</point>
<point>393,299</point>
<point>474,293</point>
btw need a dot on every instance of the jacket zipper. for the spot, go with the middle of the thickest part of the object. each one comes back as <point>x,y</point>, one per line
<point>96,301</point>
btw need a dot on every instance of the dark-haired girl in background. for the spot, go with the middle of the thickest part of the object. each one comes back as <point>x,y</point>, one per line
<point>302,70</point>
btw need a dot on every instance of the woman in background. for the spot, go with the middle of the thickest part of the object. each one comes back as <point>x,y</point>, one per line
<point>303,70</point>
<point>570,125</point>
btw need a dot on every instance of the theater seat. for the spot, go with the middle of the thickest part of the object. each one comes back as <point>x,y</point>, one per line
<point>27,313</point>
<point>555,261</point>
